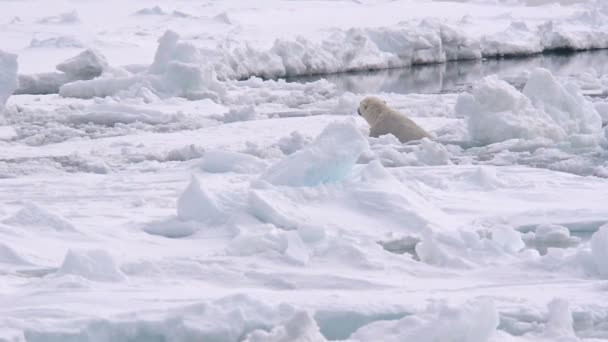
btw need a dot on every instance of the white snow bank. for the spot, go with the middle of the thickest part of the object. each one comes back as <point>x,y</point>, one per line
<point>496,111</point>
<point>219,161</point>
<point>599,250</point>
<point>34,216</point>
<point>8,76</point>
<point>475,321</point>
<point>95,265</point>
<point>328,159</point>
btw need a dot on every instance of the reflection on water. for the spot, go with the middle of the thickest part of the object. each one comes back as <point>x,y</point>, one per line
<point>458,76</point>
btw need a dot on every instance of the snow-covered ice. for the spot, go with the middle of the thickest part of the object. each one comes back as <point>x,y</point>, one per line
<point>161,181</point>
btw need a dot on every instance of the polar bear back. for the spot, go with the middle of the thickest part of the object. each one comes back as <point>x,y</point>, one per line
<point>384,120</point>
<point>398,125</point>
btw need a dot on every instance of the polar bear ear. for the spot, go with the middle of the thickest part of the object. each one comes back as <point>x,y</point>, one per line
<point>384,101</point>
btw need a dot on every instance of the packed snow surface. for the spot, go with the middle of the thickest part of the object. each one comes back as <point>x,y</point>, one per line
<point>158,182</point>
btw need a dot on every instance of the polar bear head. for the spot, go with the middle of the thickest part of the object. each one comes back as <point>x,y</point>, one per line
<point>371,108</point>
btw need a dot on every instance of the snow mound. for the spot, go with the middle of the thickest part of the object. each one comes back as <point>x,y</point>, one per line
<point>197,204</point>
<point>328,159</point>
<point>34,216</point>
<point>301,327</point>
<point>599,250</point>
<point>475,321</point>
<point>8,76</point>
<point>219,161</point>
<point>95,265</point>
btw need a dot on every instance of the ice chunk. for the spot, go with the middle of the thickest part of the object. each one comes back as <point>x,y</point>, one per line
<point>86,65</point>
<point>559,320</point>
<point>432,153</point>
<point>9,256</point>
<point>564,104</point>
<point>301,327</point>
<point>63,18</point>
<point>429,251</point>
<point>156,10</point>
<point>112,114</point>
<point>497,112</point>
<point>242,113</point>
<point>34,216</point>
<point>8,76</point>
<point>197,204</point>
<point>293,142</point>
<point>551,236</point>
<point>485,176</point>
<point>219,161</point>
<point>165,51</point>
<point>44,83</point>
<point>328,159</point>
<point>475,321</point>
<point>96,265</point>
<point>247,244</point>
<point>273,208</point>
<point>296,249</point>
<point>7,133</point>
<point>172,228</point>
<point>599,250</point>
<point>56,42</point>
<point>508,238</point>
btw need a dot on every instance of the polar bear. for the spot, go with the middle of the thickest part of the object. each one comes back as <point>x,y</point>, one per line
<point>384,120</point>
